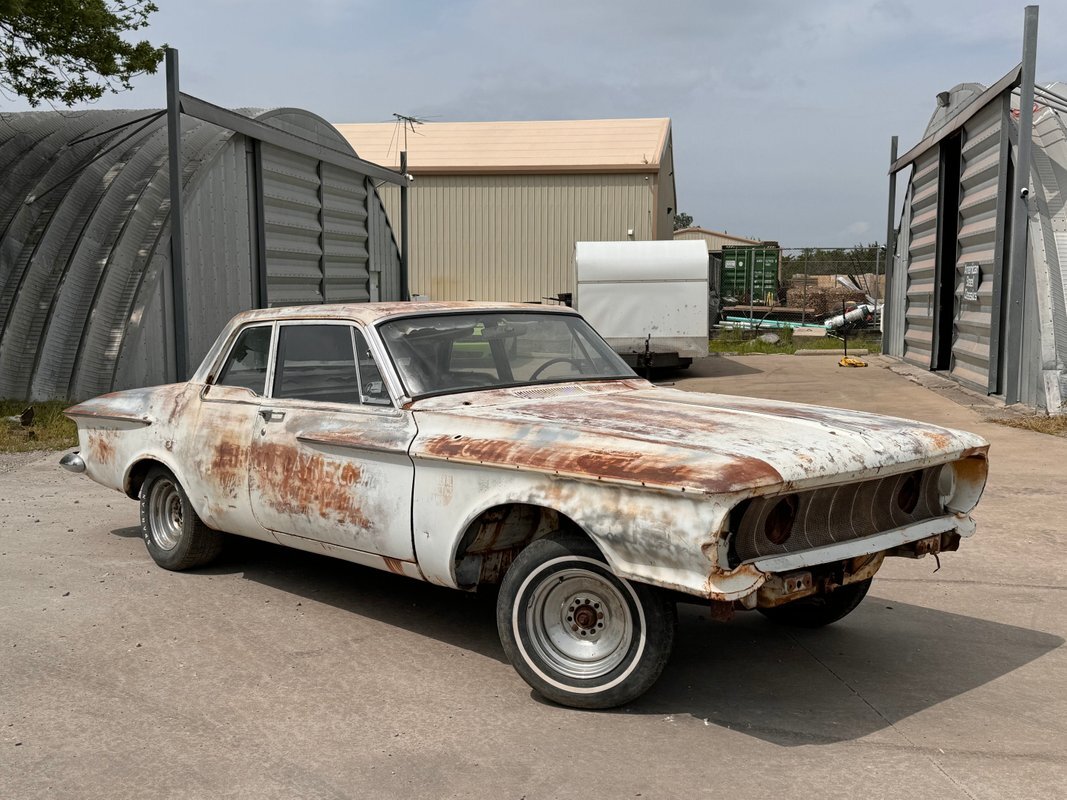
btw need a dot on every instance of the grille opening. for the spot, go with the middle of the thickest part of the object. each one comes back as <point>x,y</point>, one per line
<point>820,517</point>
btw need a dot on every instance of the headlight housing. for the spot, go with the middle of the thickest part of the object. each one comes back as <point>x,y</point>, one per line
<point>960,483</point>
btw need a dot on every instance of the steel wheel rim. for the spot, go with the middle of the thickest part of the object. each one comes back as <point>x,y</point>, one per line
<point>579,624</point>
<point>165,514</point>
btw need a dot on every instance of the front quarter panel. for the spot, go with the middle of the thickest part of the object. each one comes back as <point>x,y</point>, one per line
<point>662,538</point>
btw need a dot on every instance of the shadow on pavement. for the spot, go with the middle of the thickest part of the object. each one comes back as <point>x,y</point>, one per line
<point>458,618</point>
<point>717,367</point>
<point>885,662</point>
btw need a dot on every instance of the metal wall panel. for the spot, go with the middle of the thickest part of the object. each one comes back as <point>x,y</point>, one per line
<point>317,232</point>
<point>92,254</point>
<point>511,237</point>
<point>897,292</point>
<point>218,258</point>
<point>345,235</point>
<point>384,251</point>
<point>103,336</point>
<point>981,206</point>
<point>921,260</point>
<point>666,199</point>
<point>53,225</point>
<point>291,208</point>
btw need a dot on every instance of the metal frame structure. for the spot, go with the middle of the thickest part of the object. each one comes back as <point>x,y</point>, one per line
<point>179,103</point>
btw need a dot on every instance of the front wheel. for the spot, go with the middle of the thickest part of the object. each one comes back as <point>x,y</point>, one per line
<point>575,632</point>
<point>820,609</point>
<point>175,536</point>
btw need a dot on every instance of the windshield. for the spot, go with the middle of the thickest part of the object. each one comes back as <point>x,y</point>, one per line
<point>493,349</point>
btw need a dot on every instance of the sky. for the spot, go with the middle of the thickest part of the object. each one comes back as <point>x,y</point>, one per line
<point>782,112</point>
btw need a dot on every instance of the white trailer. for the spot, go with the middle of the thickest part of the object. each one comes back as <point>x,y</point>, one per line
<point>646,298</point>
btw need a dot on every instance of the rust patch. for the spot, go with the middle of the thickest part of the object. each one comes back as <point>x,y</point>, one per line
<point>177,405</point>
<point>101,444</point>
<point>394,565</point>
<point>293,482</point>
<point>662,471</point>
<point>942,441</point>
<point>228,466</point>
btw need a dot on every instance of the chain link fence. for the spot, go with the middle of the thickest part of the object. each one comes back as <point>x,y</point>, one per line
<point>807,286</point>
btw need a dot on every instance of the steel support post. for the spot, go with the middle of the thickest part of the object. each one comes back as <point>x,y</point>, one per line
<point>405,231</point>
<point>890,233</point>
<point>177,229</point>
<point>1020,214</point>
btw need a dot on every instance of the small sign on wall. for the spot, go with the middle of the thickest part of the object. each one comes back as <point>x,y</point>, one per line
<point>972,279</point>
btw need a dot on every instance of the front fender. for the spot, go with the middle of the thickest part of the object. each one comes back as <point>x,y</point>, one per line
<point>665,539</point>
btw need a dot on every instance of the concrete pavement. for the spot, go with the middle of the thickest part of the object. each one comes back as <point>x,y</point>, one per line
<point>282,674</point>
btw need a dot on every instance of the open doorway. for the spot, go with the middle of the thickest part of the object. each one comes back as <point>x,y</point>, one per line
<point>948,226</point>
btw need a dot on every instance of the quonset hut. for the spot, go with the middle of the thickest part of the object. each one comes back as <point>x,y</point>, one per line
<point>85,303</point>
<point>958,301</point>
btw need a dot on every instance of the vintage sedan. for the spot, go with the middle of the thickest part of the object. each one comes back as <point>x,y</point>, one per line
<point>474,445</point>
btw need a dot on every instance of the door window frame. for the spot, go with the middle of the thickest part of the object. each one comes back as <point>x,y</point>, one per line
<point>298,402</point>
<point>220,364</point>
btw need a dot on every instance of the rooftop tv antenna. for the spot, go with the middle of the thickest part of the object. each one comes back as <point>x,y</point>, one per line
<point>408,122</point>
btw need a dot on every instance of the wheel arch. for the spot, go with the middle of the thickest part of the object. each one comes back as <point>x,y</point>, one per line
<point>495,536</point>
<point>138,470</point>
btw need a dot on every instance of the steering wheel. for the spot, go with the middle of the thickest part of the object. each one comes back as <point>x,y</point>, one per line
<point>559,359</point>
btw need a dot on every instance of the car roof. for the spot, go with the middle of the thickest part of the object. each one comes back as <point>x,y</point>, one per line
<point>370,313</point>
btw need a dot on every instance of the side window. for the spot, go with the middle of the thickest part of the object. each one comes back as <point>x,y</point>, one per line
<point>373,388</point>
<point>315,362</point>
<point>246,365</point>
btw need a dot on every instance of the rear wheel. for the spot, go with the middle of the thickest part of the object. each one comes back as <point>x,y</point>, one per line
<point>822,609</point>
<point>577,633</point>
<point>175,536</point>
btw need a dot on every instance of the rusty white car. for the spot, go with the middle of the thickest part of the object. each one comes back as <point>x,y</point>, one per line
<point>471,444</point>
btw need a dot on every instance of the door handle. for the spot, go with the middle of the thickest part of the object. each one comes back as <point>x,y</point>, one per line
<point>270,415</point>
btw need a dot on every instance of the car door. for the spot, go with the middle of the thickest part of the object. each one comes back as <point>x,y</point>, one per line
<point>330,460</point>
<point>218,450</point>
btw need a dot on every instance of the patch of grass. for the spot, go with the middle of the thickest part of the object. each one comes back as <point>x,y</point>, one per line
<point>50,430</point>
<point>743,342</point>
<point>1053,426</point>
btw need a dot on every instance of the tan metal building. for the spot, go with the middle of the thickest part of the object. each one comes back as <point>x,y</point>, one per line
<point>496,207</point>
<point>716,241</point>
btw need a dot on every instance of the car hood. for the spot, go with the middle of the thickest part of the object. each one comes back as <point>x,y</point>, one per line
<point>639,434</point>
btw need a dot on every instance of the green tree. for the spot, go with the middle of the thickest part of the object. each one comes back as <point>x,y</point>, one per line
<point>682,220</point>
<point>69,51</point>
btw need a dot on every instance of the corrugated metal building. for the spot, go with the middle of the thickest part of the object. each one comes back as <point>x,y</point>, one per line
<point>955,302</point>
<point>496,207</point>
<point>85,241</point>
<point>715,240</point>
